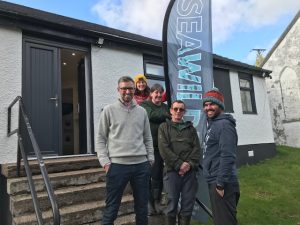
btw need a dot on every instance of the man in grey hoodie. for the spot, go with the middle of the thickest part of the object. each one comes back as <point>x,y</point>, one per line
<point>219,159</point>
<point>125,151</point>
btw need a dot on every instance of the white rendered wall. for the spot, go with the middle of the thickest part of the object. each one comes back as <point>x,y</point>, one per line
<point>10,87</point>
<point>252,128</point>
<point>108,65</point>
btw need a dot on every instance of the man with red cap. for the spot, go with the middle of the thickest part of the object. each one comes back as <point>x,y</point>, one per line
<point>219,159</point>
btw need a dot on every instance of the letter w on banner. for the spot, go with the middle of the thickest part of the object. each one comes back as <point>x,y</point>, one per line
<point>188,66</point>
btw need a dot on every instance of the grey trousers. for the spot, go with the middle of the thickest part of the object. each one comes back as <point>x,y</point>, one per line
<point>184,187</point>
<point>224,209</point>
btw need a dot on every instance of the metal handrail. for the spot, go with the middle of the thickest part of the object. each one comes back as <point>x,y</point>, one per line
<point>44,173</point>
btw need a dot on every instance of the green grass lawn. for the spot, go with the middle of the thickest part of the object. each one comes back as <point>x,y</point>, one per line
<point>270,190</point>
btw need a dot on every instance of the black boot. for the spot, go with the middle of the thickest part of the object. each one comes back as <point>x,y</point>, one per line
<point>151,208</point>
<point>156,193</point>
<point>184,220</point>
<point>158,207</point>
<point>170,220</point>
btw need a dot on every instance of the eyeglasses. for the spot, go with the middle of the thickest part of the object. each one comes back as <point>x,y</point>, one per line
<point>178,109</point>
<point>126,88</point>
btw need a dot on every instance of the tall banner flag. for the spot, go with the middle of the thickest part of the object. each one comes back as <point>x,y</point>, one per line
<point>188,67</point>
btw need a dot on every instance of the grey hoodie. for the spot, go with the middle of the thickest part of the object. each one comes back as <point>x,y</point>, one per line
<point>220,147</point>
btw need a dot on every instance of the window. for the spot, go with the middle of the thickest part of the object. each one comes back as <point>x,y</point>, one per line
<point>154,70</point>
<point>222,82</point>
<point>247,93</point>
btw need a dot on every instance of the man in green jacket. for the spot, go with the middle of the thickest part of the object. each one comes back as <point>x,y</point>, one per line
<point>180,149</point>
<point>157,113</point>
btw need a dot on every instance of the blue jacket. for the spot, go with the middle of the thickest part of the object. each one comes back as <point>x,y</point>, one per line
<point>220,147</point>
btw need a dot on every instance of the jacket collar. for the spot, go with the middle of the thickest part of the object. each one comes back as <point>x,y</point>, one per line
<point>130,105</point>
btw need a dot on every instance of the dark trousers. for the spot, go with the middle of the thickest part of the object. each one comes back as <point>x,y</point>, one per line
<point>224,208</point>
<point>181,186</point>
<point>156,184</point>
<point>117,178</point>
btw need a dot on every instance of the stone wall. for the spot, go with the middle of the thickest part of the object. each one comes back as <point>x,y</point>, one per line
<point>284,88</point>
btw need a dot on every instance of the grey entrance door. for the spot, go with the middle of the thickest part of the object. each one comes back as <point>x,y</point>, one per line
<point>41,94</point>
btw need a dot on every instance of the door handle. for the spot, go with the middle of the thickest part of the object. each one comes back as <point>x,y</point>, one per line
<point>55,99</point>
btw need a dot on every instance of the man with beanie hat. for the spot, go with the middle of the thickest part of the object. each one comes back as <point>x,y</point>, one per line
<point>219,159</point>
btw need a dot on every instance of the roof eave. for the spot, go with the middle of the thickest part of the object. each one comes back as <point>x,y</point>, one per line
<point>34,16</point>
<point>280,39</point>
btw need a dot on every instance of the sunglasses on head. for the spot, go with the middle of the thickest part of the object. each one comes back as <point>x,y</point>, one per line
<point>178,109</point>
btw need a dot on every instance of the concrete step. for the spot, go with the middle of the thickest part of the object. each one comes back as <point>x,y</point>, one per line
<point>53,165</point>
<point>79,214</point>
<point>58,180</point>
<point>22,204</point>
<point>127,219</point>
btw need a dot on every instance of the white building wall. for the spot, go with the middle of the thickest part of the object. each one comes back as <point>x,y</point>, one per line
<point>252,128</point>
<point>108,65</point>
<point>10,87</point>
<point>283,88</point>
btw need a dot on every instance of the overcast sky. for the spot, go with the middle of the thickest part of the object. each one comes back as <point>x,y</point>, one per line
<point>238,25</point>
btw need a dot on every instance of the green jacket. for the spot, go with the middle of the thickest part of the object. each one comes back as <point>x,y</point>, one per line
<point>157,115</point>
<point>178,143</point>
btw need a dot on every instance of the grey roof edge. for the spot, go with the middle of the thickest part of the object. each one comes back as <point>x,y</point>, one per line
<point>282,36</point>
<point>18,12</point>
<point>240,66</point>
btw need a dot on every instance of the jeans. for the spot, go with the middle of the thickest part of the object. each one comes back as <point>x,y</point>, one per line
<point>117,178</point>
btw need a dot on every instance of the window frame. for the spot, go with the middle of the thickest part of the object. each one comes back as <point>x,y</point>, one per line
<point>155,61</point>
<point>249,78</point>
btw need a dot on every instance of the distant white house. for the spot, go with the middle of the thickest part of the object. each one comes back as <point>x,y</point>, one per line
<point>66,71</point>
<point>284,87</point>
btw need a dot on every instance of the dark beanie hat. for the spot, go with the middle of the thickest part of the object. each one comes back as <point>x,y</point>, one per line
<point>214,96</point>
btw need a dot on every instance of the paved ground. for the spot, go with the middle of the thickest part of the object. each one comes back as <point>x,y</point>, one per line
<point>157,220</point>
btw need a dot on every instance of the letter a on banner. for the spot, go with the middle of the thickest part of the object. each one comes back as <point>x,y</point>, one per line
<point>188,67</point>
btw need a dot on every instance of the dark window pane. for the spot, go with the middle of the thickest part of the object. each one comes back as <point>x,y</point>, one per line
<point>150,83</point>
<point>222,82</point>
